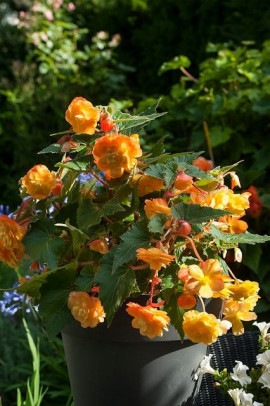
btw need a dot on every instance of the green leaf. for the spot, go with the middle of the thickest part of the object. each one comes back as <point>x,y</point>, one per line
<point>114,288</point>
<point>156,223</point>
<point>194,213</point>
<point>245,238</point>
<point>220,135</point>
<point>178,62</point>
<point>176,314</point>
<point>133,124</point>
<point>168,171</point>
<point>51,149</point>
<point>32,286</point>
<point>252,256</point>
<point>79,164</point>
<point>85,280</point>
<point>54,296</point>
<point>88,214</point>
<point>137,237</point>
<point>111,207</point>
<point>85,138</point>
<point>42,245</point>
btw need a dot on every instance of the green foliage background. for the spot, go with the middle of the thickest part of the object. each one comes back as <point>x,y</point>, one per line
<point>223,45</point>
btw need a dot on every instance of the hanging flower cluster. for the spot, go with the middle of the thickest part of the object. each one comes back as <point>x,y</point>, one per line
<point>245,387</point>
<point>112,222</point>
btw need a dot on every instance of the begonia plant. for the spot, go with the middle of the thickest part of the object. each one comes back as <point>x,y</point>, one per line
<point>112,222</point>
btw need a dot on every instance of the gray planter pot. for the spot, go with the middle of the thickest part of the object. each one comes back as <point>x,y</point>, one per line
<point>119,367</point>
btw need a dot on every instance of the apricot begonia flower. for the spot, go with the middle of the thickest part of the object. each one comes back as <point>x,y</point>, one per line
<point>202,327</point>
<point>148,184</point>
<point>244,292</point>
<point>11,235</point>
<point>82,115</point>
<point>154,257</point>
<point>186,301</point>
<point>39,182</point>
<point>207,280</point>
<point>183,182</point>
<point>203,163</point>
<point>150,321</point>
<point>154,206</point>
<point>223,199</point>
<point>234,312</point>
<point>232,225</point>
<point>86,309</point>
<point>100,246</point>
<point>116,153</point>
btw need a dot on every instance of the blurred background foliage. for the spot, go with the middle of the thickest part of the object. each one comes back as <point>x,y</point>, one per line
<point>210,63</point>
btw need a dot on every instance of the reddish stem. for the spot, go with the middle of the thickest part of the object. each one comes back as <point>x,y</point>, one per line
<point>98,178</point>
<point>153,283</point>
<point>195,250</point>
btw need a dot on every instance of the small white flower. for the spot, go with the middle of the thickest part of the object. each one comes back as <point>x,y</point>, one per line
<point>240,374</point>
<point>264,358</point>
<point>237,255</point>
<point>263,327</point>
<point>257,404</point>
<point>246,399</point>
<point>265,377</point>
<point>205,367</point>
<point>235,395</point>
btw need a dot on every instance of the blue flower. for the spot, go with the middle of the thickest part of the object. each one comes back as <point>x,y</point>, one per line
<point>13,301</point>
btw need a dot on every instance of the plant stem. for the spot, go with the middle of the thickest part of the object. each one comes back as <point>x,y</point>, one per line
<point>98,178</point>
<point>195,249</point>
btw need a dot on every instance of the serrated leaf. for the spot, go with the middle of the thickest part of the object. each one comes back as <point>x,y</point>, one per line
<point>176,314</point>
<point>79,164</point>
<point>51,149</point>
<point>42,245</point>
<point>194,213</point>
<point>129,124</point>
<point>88,214</point>
<point>114,288</point>
<point>111,207</point>
<point>244,238</point>
<point>32,286</point>
<point>85,138</point>
<point>168,171</point>
<point>224,266</point>
<point>54,296</point>
<point>137,237</point>
<point>85,280</point>
<point>156,223</point>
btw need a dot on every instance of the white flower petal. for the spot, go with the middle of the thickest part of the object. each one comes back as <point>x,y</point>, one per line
<point>239,374</point>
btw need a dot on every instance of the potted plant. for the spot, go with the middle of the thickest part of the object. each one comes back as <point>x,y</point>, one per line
<point>135,241</point>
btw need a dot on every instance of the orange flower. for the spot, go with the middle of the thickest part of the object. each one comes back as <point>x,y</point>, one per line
<point>39,182</point>
<point>203,164</point>
<point>223,199</point>
<point>238,203</point>
<point>86,309</point>
<point>183,182</point>
<point>205,281</point>
<point>245,292</point>
<point>115,154</point>
<point>186,301</point>
<point>11,247</point>
<point>234,312</point>
<point>201,327</point>
<point>82,115</point>
<point>154,257</point>
<point>100,246</point>
<point>148,184</point>
<point>148,320</point>
<point>154,206</point>
<point>233,225</point>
